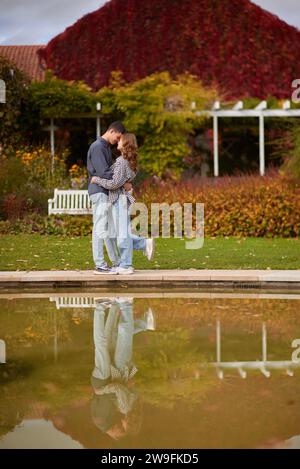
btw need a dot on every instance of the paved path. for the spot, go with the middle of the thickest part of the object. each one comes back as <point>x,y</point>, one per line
<point>260,278</point>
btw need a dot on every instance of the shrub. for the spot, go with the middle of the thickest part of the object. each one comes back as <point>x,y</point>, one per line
<point>289,147</point>
<point>13,175</point>
<point>234,206</point>
<point>62,225</point>
<point>38,164</point>
<point>27,181</point>
<point>17,85</point>
<point>59,98</point>
<point>13,206</point>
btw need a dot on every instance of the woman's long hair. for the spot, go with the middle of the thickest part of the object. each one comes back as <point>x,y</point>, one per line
<point>130,150</point>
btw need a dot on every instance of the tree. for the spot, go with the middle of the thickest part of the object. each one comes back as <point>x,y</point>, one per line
<point>17,84</point>
<point>158,109</point>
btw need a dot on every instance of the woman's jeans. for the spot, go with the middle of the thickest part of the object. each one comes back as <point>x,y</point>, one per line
<point>127,242</point>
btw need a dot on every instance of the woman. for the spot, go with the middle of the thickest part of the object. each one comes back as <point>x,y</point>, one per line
<point>124,170</point>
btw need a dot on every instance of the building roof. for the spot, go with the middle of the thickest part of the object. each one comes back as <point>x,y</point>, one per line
<point>26,59</point>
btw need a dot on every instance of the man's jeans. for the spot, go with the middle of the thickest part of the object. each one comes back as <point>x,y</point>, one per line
<point>113,337</point>
<point>127,242</point>
<point>102,222</point>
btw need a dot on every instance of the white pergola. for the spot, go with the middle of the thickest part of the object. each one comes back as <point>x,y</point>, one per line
<point>261,111</point>
<point>264,365</point>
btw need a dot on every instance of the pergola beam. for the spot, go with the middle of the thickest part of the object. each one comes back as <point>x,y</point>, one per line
<point>251,113</point>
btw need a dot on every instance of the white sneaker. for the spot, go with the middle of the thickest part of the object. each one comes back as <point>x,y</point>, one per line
<point>150,248</point>
<point>124,271</point>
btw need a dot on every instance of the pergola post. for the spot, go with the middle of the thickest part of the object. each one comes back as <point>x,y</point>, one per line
<point>261,145</point>
<point>216,146</point>
<point>2,351</point>
<point>98,128</point>
<point>220,372</point>
<point>98,125</point>
<point>265,372</point>
<point>216,107</point>
<point>260,108</point>
<point>55,337</point>
<point>51,129</point>
<point>264,342</point>
<point>218,344</point>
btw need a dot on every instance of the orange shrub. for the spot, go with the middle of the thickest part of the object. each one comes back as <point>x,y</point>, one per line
<point>236,206</point>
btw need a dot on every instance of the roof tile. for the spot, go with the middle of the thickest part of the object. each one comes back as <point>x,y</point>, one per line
<point>26,59</point>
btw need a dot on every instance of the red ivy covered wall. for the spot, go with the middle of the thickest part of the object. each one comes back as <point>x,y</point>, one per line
<point>242,48</point>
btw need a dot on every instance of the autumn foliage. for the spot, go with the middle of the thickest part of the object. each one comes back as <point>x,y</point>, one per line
<point>235,44</point>
<point>237,206</point>
<point>247,205</point>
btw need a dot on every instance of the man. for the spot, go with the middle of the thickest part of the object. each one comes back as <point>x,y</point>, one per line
<point>99,160</point>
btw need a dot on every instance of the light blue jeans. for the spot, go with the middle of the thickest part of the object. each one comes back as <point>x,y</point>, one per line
<point>102,222</point>
<point>126,241</point>
<point>113,337</point>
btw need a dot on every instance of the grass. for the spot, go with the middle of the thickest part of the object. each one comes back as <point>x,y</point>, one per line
<point>36,252</point>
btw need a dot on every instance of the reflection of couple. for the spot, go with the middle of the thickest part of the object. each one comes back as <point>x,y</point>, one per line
<point>115,406</point>
<point>110,191</point>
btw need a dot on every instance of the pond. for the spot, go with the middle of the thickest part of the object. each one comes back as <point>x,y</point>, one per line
<point>200,369</point>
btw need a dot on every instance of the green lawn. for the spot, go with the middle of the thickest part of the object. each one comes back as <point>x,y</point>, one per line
<point>36,252</point>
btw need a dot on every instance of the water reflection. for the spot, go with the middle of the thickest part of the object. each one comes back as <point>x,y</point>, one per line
<point>2,351</point>
<point>115,407</point>
<point>264,365</point>
<point>89,369</point>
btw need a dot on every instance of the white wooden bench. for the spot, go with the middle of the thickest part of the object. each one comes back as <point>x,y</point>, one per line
<point>71,202</point>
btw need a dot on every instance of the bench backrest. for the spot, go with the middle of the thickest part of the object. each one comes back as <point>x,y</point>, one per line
<point>72,202</point>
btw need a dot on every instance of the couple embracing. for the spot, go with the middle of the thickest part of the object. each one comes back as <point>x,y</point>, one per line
<point>110,191</point>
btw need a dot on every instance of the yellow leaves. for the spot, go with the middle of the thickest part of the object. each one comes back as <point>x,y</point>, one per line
<point>33,335</point>
<point>78,176</point>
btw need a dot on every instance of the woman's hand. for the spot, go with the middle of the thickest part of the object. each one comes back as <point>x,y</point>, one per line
<point>127,186</point>
<point>93,180</point>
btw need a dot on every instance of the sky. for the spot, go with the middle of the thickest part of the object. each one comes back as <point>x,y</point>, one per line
<point>38,21</point>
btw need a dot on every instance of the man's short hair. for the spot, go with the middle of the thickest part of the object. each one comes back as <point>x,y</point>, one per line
<point>118,127</point>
